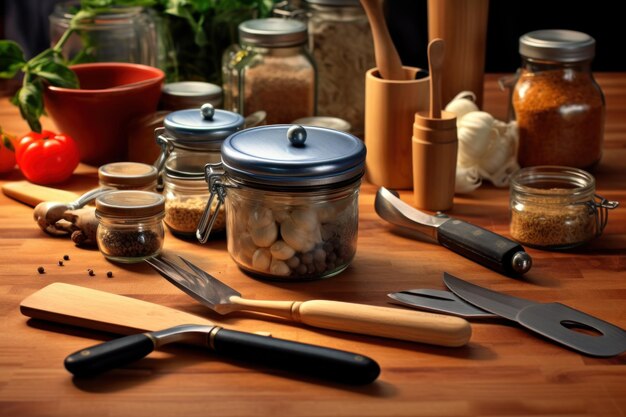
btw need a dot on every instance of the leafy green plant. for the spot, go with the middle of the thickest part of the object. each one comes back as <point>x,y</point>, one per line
<point>198,30</point>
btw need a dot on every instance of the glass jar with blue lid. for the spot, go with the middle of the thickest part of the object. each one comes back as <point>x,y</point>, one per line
<point>198,132</point>
<point>291,199</point>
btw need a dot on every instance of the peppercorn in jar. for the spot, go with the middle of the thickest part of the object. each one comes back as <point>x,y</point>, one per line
<point>558,105</point>
<point>130,225</point>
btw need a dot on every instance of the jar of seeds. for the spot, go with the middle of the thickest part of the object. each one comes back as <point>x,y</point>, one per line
<point>130,225</point>
<point>128,176</point>
<point>186,195</point>
<point>195,132</point>
<point>270,70</point>
<point>291,198</point>
<point>555,207</point>
<point>558,105</point>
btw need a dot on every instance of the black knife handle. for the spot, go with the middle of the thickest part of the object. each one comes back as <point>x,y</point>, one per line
<point>317,361</point>
<point>485,247</point>
<point>105,356</point>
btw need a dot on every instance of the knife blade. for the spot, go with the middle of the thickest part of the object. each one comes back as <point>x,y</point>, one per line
<point>475,243</point>
<point>554,321</point>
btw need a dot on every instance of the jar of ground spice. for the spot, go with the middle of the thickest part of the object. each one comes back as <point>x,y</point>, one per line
<point>270,70</point>
<point>558,105</point>
<point>186,195</point>
<point>130,225</point>
<point>555,207</point>
<point>291,198</point>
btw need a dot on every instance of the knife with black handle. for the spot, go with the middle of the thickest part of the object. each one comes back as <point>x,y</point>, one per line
<point>475,243</point>
<point>320,362</point>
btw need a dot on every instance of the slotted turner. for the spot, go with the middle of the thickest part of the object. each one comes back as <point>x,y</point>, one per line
<point>415,326</point>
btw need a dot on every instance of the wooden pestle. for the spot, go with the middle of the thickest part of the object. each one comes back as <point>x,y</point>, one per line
<point>387,58</point>
<point>434,144</point>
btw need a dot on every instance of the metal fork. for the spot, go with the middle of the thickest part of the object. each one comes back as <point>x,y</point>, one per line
<point>393,323</point>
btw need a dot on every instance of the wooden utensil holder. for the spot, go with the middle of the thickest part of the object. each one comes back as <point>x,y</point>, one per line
<point>390,106</point>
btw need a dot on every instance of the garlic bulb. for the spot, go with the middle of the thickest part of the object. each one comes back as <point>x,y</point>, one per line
<point>487,147</point>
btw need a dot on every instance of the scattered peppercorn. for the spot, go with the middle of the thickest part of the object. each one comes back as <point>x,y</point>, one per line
<point>91,273</point>
<point>41,270</point>
<point>66,257</point>
<point>109,274</point>
<point>60,263</point>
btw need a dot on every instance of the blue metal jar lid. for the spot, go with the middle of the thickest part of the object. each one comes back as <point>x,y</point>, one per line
<point>293,156</point>
<point>195,128</point>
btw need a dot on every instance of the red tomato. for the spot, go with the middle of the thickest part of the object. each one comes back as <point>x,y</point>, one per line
<point>7,152</point>
<point>47,157</point>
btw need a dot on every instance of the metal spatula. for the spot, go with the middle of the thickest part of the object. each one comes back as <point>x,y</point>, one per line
<point>393,323</point>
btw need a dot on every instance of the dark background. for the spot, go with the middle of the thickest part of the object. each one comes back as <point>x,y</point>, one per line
<point>508,20</point>
<point>26,21</point>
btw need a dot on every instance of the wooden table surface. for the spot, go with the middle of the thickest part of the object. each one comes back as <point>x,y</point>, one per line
<point>503,371</point>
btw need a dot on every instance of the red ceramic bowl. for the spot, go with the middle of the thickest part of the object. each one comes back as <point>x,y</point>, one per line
<point>110,97</point>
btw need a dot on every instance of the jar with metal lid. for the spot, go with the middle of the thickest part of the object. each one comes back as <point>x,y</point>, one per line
<point>195,132</point>
<point>291,197</point>
<point>555,207</point>
<point>130,225</point>
<point>340,39</point>
<point>558,105</point>
<point>128,176</point>
<point>186,195</point>
<point>270,70</point>
<point>190,94</point>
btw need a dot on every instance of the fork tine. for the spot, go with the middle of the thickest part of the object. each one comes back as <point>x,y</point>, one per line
<point>216,283</point>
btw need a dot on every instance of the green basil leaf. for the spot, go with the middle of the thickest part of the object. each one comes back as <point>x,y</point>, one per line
<point>11,59</point>
<point>30,101</point>
<point>57,74</point>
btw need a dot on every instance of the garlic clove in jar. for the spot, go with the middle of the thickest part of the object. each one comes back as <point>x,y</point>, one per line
<point>246,245</point>
<point>298,238</point>
<point>281,250</point>
<point>261,259</point>
<point>473,132</point>
<point>260,217</point>
<point>305,219</point>
<point>279,268</point>
<point>264,236</point>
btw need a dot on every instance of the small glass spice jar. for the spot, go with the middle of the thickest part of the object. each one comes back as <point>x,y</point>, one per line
<point>270,70</point>
<point>291,198</point>
<point>130,225</point>
<point>558,105</point>
<point>186,195</point>
<point>128,176</point>
<point>195,132</point>
<point>555,207</point>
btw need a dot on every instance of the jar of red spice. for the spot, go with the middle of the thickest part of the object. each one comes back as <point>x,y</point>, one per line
<point>558,105</point>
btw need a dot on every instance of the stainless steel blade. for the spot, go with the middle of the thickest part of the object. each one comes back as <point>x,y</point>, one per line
<point>439,301</point>
<point>210,292</point>
<point>557,322</point>
<point>494,302</point>
<point>397,212</point>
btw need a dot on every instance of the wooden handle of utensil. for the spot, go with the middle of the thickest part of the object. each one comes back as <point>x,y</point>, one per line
<point>387,58</point>
<point>32,194</point>
<point>435,66</point>
<point>332,364</point>
<point>109,355</point>
<point>414,326</point>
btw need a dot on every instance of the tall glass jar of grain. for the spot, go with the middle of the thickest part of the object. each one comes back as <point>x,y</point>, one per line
<point>340,39</point>
<point>558,105</point>
<point>270,70</point>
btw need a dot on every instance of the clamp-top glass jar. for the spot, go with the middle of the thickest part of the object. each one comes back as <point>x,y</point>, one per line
<point>270,70</point>
<point>340,38</point>
<point>291,198</point>
<point>555,207</point>
<point>558,105</point>
<point>186,195</point>
<point>195,132</point>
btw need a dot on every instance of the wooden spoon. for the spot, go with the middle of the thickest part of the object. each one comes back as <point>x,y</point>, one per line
<point>387,58</point>
<point>435,67</point>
